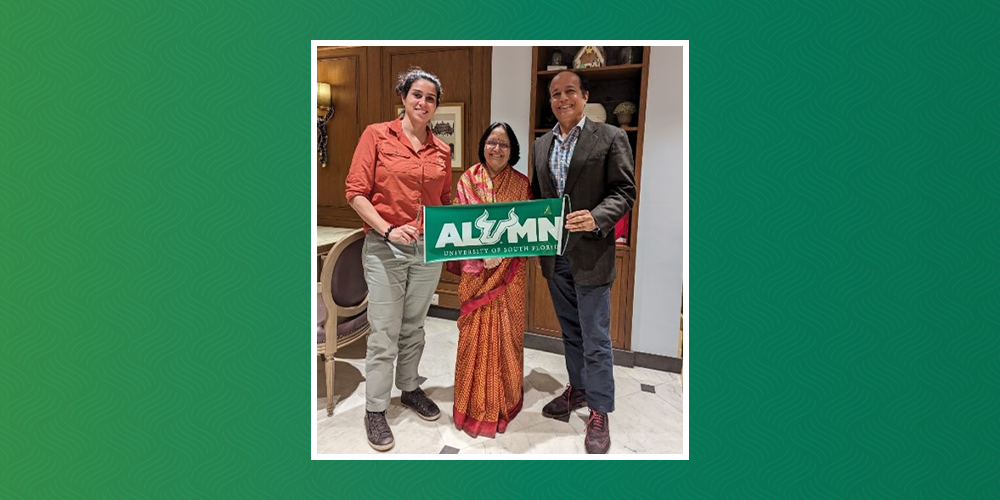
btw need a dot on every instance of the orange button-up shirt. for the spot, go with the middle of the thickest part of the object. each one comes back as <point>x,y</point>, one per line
<point>396,179</point>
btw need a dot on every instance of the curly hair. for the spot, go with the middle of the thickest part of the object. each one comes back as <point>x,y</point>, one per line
<point>405,80</point>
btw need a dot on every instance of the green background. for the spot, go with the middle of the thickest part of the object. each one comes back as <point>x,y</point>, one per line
<point>155,257</point>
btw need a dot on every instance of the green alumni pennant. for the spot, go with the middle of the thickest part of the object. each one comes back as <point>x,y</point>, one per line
<point>488,230</point>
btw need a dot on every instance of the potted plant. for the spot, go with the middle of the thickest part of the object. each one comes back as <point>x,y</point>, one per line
<point>624,112</point>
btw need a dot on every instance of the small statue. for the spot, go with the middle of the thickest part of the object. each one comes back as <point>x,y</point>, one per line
<point>558,58</point>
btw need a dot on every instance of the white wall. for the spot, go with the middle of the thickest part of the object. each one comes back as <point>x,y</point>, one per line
<point>657,298</point>
<point>511,99</point>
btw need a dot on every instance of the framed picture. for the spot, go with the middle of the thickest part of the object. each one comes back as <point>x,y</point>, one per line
<point>447,125</point>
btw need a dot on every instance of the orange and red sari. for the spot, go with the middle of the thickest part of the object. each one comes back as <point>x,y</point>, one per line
<point>489,367</point>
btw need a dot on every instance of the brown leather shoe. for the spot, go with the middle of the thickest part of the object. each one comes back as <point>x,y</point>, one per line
<point>379,433</point>
<point>418,401</point>
<point>565,403</point>
<point>598,438</point>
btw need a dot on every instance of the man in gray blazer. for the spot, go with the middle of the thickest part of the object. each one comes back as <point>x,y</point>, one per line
<point>592,164</point>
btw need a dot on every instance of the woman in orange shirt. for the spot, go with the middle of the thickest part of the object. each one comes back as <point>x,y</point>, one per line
<point>398,167</point>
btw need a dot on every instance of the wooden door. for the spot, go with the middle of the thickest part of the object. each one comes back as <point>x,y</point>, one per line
<point>542,317</point>
<point>362,81</point>
<point>465,74</point>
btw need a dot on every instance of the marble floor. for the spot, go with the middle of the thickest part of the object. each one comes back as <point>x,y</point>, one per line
<point>647,417</point>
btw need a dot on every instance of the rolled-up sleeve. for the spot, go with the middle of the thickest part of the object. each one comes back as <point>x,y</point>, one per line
<point>361,177</point>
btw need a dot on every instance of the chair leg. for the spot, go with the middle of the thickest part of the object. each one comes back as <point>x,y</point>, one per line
<point>329,386</point>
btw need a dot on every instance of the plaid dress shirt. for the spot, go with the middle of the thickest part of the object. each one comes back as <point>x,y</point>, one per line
<point>562,153</point>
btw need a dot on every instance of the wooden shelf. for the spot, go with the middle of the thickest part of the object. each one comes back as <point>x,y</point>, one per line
<point>620,72</point>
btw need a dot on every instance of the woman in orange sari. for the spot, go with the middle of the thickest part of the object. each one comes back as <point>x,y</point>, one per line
<point>489,367</point>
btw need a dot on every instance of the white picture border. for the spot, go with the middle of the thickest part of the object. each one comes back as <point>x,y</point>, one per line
<point>311,113</point>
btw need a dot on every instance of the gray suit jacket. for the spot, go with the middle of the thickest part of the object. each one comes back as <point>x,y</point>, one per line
<point>601,178</point>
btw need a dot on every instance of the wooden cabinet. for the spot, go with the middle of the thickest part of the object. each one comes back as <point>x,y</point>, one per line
<point>609,86</point>
<point>542,317</point>
<point>619,308</point>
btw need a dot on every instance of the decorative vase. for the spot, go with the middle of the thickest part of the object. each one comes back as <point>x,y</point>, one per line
<point>596,112</point>
<point>626,56</point>
<point>624,119</point>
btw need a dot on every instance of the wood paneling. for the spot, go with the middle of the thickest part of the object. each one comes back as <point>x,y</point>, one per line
<point>465,74</point>
<point>346,70</point>
<point>619,309</point>
<point>542,317</point>
<point>363,81</point>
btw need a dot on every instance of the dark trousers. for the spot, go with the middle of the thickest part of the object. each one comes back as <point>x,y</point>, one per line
<point>585,317</point>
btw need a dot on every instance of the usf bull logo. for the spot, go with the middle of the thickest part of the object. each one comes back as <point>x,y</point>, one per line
<point>485,225</point>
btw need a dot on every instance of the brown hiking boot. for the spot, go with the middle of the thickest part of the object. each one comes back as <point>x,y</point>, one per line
<point>418,401</point>
<point>565,403</point>
<point>379,433</point>
<point>598,438</point>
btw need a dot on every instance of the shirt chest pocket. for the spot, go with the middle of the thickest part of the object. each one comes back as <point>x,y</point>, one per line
<point>437,168</point>
<point>390,153</point>
<point>393,163</point>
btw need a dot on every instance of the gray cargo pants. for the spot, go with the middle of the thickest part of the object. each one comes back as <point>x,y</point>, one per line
<point>400,286</point>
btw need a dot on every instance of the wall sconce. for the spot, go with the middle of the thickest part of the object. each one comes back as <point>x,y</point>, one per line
<point>324,109</point>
